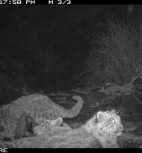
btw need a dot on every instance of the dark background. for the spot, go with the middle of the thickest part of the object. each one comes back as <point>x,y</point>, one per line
<point>43,46</point>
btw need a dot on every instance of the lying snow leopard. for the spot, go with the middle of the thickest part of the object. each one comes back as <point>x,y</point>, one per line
<point>107,128</point>
<point>47,125</point>
<point>36,106</point>
<point>101,131</point>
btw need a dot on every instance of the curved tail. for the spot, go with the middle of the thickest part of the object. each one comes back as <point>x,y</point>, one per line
<point>75,110</point>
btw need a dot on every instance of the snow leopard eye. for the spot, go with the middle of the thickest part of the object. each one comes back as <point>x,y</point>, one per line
<point>111,120</point>
<point>1,129</point>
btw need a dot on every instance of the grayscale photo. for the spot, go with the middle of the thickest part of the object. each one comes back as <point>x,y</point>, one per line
<point>70,75</point>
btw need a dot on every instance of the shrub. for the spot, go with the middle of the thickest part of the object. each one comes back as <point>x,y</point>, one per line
<point>118,57</point>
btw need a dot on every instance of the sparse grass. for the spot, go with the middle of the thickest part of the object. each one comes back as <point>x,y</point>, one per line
<point>118,57</point>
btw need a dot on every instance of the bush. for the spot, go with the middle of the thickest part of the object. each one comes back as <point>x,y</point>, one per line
<point>118,57</point>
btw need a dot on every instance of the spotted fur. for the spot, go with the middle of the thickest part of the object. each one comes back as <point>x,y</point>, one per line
<point>106,127</point>
<point>101,131</point>
<point>38,107</point>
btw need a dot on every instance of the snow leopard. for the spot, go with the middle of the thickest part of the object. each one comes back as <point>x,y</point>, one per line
<point>36,106</point>
<point>101,131</point>
<point>106,127</point>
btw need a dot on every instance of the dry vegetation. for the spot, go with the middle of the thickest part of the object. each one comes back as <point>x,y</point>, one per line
<point>118,57</point>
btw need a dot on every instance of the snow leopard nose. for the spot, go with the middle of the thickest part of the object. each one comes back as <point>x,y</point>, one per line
<point>119,131</point>
<point>122,128</point>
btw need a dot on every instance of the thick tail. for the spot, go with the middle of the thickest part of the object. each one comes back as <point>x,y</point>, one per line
<point>74,111</point>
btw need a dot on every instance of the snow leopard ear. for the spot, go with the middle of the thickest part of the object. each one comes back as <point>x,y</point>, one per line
<point>114,111</point>
<point>58,122</point>
<point>100,116</point>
